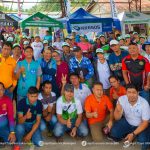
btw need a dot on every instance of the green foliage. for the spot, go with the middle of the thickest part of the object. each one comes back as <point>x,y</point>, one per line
<point>50,7</point>
<point>4,9</point>
<point>45,7</point>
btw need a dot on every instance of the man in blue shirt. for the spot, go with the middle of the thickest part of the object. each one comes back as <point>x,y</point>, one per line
<point>29,117</point>
<point>82,66</point>
<point>28,73</point>
<point>49,66</point>
<point>115,59</point>
<point>48,37</point>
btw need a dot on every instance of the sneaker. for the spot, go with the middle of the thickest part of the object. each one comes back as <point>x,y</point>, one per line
<point>109,138</point>
<point>16,147</point>
<point>126,144</point>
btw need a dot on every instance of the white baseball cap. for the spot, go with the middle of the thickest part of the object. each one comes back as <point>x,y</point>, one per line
<point>65,44</point>
<point>99,50</point>
<point>45,42</point>
<point>25,42</point>
<point>114,42</point>
<point>10,39</point>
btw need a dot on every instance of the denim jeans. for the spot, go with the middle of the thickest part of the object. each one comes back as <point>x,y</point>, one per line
<point>121,128</point>
<point>4,133</point>
<point>51,123</point>
<point>145,94</point>
<point>60,129</point>
<point>23,129</point>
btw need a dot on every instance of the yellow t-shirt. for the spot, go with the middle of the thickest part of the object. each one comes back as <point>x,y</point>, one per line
<point>7,68</point>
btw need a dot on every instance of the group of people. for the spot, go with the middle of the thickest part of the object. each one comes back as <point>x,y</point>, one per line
<point>75,87</point>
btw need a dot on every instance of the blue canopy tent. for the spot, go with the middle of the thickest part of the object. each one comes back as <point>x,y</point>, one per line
<point>81,21</point>
<point>15,17</point>
<point>117,24</point>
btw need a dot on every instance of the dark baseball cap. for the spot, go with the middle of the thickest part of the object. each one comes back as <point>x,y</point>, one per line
<point>76,49</point>
<point>69,87</point>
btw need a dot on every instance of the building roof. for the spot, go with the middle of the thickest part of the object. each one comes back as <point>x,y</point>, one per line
<point>103,8</point>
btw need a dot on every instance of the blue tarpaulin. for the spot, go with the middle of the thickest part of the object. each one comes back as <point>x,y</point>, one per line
<point>117,24</point>
<point>81,17</point>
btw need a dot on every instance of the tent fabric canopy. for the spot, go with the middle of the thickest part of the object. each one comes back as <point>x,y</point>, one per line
<point>133,18</point>
<point>6,20</point>
<point>81,21</point>
<point>81,16</point>
<point>15,17</point>
<point>40,20</point>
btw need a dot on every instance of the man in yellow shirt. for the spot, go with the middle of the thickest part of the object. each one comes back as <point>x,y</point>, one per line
<point>7,67</point>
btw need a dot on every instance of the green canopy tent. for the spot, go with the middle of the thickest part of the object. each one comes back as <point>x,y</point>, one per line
<point>40,20</point>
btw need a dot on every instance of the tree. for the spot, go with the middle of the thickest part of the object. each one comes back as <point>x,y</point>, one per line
<point>4,9</point>
<point>54,5</point>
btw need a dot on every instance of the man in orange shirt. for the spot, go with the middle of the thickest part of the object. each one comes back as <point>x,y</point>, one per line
<point>96,108</point>
<point>116,89</point>
<point>7,67</point>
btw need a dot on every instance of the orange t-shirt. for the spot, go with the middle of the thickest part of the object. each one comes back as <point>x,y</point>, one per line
<point>121,92</point>
<point>92,105</point>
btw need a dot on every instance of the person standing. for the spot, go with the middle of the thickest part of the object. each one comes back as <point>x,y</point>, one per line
<point>49,66</point>
<point>37,46</point>
<point>135,70</point>
<point>62,69</point>
<point>115,59</point>
<point>7,68</point>
<point>82,66</point>
<point>28,72</point>
<point>102,70</point>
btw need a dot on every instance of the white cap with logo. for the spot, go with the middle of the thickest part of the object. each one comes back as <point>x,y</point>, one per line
<point>114,42</point>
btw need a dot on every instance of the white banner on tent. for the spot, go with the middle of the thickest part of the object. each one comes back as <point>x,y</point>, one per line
<point>87,27</point>
<point>113,9</point>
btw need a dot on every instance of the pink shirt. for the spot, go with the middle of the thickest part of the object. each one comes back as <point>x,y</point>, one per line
<point>85,46</point>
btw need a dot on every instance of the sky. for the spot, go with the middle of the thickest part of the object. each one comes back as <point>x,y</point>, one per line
<point>25,5</point>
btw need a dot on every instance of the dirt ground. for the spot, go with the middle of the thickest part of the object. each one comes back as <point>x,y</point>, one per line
<point>77,144</point>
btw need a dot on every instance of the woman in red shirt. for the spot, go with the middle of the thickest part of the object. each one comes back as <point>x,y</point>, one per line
<point>116,89</point>
<point>62,69</point>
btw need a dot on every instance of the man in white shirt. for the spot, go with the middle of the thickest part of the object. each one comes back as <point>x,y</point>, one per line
<point>48,100</point>
<point>37,46</point>
<point>81,90</point>
<point>69,114</point>
<point>132,116</point>
<point>146,50</point>
<point>58,44</point>
<point>102,70</point>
